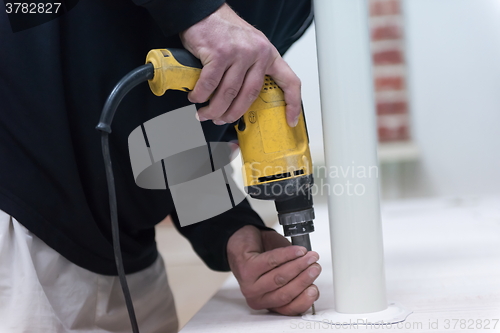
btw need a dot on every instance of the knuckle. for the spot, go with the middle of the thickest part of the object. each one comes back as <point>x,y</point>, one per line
<point>279,280</point>
<point>289,311</point>
<point>296,82</point>
<point>226,119</point>
<point>246,49</point>
<point>253,304</point>
<point>230,94</point>
<point>272,262</point>
<point>209,114</point>
<point>263,44</point>
<point>269,53</point>
<point>216,108</point>
<point>210,84</point>
<point>299,82</point>
<point>229,119</point>
<point>253,93</point>
<point>248,293</point>
<point>285,298</point>
<point>223,51</point>
<point>243,273</point>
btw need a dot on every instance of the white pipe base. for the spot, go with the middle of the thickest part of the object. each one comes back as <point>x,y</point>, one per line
<point>394,314</point>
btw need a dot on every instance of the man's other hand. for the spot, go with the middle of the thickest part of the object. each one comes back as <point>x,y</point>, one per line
<point>236,56</point>
<point>271,272</point>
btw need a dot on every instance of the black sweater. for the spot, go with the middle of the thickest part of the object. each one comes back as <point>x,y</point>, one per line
<point>54,79</point>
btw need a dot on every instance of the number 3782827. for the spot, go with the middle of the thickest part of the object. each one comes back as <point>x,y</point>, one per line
<point>32,8</point>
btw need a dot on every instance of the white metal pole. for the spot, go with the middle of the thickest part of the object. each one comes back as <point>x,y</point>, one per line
<point>349,130</point>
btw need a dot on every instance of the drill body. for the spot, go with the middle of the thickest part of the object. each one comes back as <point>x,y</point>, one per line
<point>276,158</point>
<point>277,163</point>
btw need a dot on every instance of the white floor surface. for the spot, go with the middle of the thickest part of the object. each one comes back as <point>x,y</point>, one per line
<point>442,261</point>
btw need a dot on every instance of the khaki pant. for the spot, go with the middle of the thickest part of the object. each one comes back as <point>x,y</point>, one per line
<point>41,291</point>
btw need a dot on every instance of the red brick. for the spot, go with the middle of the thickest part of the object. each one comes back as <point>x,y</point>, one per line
<point>389,83</point>
<point>392,107</point>
<point>388,57</point>
<point>399,133</point>
<point>387,32</point>
<point>384,7</point>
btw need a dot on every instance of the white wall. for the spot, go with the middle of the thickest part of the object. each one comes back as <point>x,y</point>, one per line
<point>454,61</point>
<point>453,53</point>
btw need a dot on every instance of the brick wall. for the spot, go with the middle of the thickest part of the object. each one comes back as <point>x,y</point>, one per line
<point>389,70</point>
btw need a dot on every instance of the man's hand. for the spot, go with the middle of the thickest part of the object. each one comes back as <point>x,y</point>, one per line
<point>236,56</point>
<point>271,272</point>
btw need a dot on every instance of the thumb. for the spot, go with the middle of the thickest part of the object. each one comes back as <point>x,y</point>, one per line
<point>245,243</point>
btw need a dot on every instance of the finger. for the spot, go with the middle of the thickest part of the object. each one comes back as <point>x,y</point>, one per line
<point>286,294</point>
<point>209,80</point>
<point>266,261</point>
<point>250,90</point>
<point>226,92</point>
<point>285,273</point>
<point>300,304</point>
<point>286,79</point>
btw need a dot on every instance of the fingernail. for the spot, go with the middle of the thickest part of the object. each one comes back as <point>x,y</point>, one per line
<point>295,121</point>
<point>312,260</point>
<point>314,271</point>
<point>201,118</point>
<point>300,252</point>
<point>312,291</point>
<point>219,122</point>
<point>197,116</point>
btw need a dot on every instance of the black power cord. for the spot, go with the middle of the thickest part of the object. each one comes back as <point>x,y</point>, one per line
<point>129,81</point>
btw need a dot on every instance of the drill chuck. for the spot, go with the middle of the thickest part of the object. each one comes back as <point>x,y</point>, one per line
<point>298,225</point>
<point>293,218</point>
<point>298,229</point>
<point>296,215</point>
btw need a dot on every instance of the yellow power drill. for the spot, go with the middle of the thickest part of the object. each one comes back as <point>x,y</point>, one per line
<point>276,159</point>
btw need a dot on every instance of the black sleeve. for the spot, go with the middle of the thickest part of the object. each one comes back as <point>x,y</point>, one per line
<point>209,238</point>
<point>174,16</point>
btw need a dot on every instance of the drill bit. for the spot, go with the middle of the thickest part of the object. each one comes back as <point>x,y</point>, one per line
<point>305,241</point>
